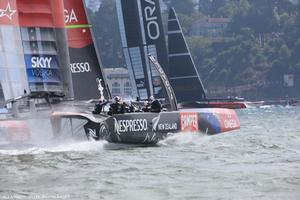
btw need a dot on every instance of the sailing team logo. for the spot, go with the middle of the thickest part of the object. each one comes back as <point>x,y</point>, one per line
<point>8,12</point>
<point>189,121</point>
<point>92,133</point>
<point>151,19</point>
<point>70,16</point>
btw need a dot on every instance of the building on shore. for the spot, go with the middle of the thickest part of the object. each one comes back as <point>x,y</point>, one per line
<point>210,27</point>
<point>119,82</point>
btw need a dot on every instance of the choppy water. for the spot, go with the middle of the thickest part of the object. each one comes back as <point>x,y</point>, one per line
<point>260,161</point>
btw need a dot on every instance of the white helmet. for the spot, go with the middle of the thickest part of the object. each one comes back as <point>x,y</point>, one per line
<point>117,98</point>
<point>151,98</point>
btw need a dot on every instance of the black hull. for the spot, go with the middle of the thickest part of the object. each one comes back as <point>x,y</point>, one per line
<point>149,128</point>
<point>140,128</point>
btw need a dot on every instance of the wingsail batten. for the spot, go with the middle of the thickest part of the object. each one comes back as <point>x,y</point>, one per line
<point>142,34</point>
<point>85,64</point>
<point>183,73</point>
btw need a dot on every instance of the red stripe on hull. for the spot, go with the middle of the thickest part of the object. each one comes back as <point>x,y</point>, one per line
<point>230,105</point>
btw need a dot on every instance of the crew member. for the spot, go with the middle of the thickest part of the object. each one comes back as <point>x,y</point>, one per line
<point>117,107</point>
<point>131,107</point>
<point>99,107</point>
<point>146,107</point>
<point>125,108</point>
<point>155,106</point>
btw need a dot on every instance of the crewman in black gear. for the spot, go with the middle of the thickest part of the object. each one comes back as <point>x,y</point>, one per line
<point>155,106</point>
<point>125,108</point>
<point>117,107</point>
<point>99,107</point>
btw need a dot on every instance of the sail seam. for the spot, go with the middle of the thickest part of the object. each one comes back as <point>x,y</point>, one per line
<point>179,54</point>
<point>174,32</point>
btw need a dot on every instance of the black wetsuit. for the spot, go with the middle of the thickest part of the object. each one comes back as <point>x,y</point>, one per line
<point>98,107</point>
<point>155,106</point>
<point>117,108</point>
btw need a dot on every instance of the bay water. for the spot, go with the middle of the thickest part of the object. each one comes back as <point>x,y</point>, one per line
<point>259,161</point>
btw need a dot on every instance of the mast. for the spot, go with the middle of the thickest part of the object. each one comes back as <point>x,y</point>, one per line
<point>85,64</point>
<point>183,75</point>
<point>142,33</point>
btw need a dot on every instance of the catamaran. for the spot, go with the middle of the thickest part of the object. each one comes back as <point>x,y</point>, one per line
<point>145,127</point>
<point>85,81</point>
<point>149,128</point>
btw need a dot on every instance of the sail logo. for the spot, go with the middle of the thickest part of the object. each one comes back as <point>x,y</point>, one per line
<point>41,62</point>
<point>92,133</point>
<point>70,16</point>
<point>42,73</point>
<point>189,121</point>
<point>167,127</point>
<point>8,12</point>
<point>162,126</point>
<point>151,20</point>
<point>82,67</point>
<point>134,125</point>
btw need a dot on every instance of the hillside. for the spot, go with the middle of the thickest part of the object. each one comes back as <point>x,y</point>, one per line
<point>260,44</point>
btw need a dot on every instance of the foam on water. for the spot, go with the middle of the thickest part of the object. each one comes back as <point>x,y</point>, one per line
<point>182,139</point>
<point>54,146</point>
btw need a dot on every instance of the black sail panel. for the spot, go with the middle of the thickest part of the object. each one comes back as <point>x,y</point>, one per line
<point>183,73</point>
<point>177,64</point>
<point>86,67</point>
<point>132,43</point>
<point>142,34</point>
<point>153,30</point>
